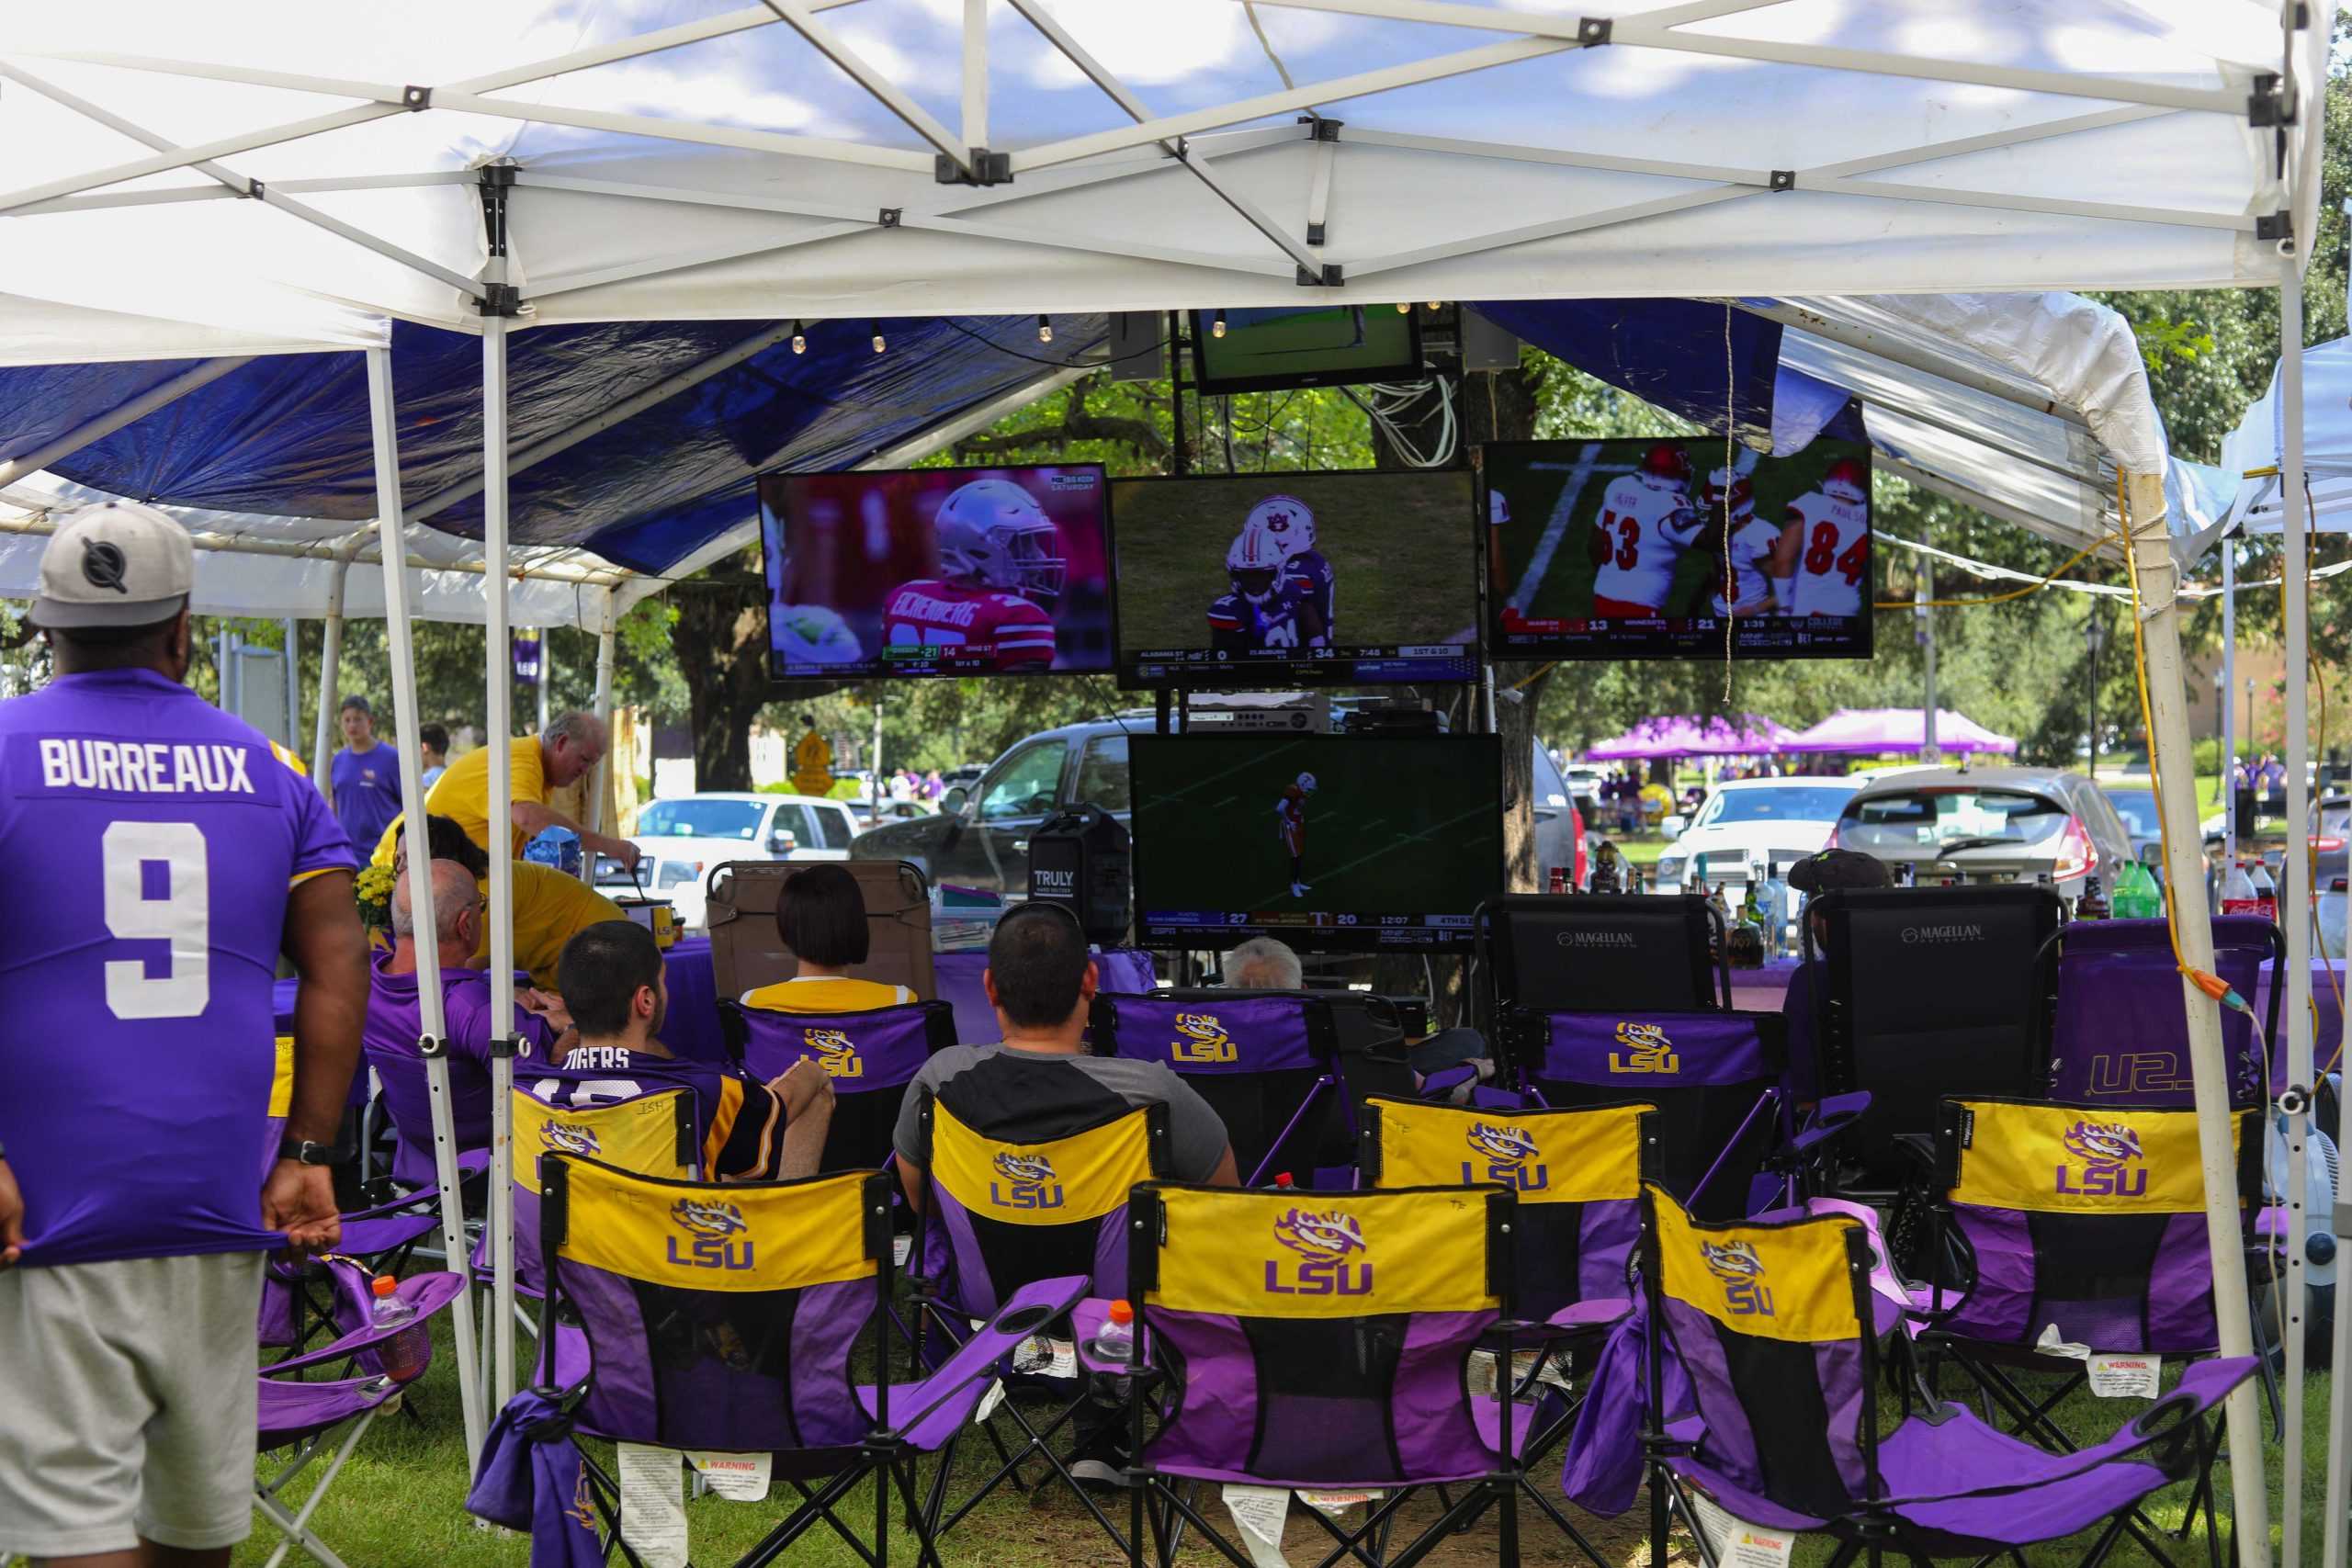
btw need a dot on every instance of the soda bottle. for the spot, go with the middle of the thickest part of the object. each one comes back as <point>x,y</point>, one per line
<point>2266,892</point>
<point>1115,1340</point>
<point>1559,879</point>
<point>2237,893</point>
<point>2137,896</point>
<point>403,1355</point>
<point>2091,902</point>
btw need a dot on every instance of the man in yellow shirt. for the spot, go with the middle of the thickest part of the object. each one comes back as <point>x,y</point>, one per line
<point>566,751</point>
<point>812,760</point>
<point>549,908</point>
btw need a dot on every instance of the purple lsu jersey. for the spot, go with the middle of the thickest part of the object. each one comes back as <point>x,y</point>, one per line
<point>150,840</point>
<point>390,1036</point>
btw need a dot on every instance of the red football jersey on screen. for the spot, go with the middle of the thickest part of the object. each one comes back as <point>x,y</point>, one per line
<point>947,614</point>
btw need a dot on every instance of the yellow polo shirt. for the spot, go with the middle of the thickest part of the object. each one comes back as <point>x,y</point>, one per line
<point>827,993</point>
<point>550,909</point>
<point>463,795</point>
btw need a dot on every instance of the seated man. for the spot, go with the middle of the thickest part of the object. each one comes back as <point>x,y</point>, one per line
<point>549,907</point>
<point>615,996</point>
<point>1039,1083</point>
<point>821,916</point>
<point>1264,964</point>
<point>393,1025</point>
<point>1827,872</point>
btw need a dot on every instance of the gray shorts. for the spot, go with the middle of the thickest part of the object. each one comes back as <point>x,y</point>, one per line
<point>130,1403</point>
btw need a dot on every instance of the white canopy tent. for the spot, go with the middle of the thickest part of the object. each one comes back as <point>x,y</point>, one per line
<point>487,164</point>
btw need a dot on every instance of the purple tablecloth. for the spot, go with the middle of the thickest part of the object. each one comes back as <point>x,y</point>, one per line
<point>1762,990</point>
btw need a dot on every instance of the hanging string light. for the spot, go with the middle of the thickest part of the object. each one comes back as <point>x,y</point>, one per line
<point>1044,330</point>
<point>1216,327</point>
<point>799,339</point>
<point>878,343</point>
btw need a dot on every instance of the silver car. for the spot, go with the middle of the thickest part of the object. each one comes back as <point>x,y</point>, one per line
<point>1989,825</point>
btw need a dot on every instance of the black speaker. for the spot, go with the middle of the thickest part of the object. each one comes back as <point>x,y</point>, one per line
<point>1079,859</point>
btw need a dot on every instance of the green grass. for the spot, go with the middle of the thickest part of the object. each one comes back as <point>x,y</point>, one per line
<point>1399,547</point>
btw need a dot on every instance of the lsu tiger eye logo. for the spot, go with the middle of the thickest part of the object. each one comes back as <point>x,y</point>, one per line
<point>1204,1039</point>
<point>1507,1156</point>
<point>1647,1050</point>
<point>1742,1274</point>
<point>2111,1164</point>
<point>710,1230</point>
<point>1024,1181</point>
<point>1324,1244</point>
<point>833,1052</point>
<point>561,1138</point>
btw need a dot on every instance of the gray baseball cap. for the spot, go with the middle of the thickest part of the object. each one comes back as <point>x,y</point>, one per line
<point>119,564</point>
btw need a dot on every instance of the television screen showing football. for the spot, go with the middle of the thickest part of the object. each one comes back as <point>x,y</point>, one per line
<point>1243,580</point>
<point>1659,548</point>
<point>937,571</point>
<point>1333,844</point>
<point>1263,350</point>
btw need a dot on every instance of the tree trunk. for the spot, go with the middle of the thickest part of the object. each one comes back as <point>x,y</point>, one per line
<point>724,661</point>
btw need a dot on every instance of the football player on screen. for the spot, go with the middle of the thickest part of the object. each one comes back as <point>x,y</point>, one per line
<point>1290,827</point>
<point>1825,539</point>
<point>1269,609</point>
<point>1751,545</point>
<point>1290,524</point>
<point>1646,521</point>
<point>1000,568</point>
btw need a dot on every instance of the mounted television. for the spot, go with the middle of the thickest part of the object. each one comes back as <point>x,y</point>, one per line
<point>1618,549</point>
<point>1333,345</point>
<point>1333,844</point>
<point>1275,580</point>
<point>937,571</point>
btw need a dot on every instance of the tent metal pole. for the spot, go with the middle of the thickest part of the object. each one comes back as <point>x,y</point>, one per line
<point>2294,899</point>
<point>2176,770</point>
<point>293,635</point>
<point>546,672</point>
<point>432,1022</point>
<point>498,720</point>
<point>1903,353</point>
<point>885,92</point>
<point>331,657</point>
<point>107,424</point>
<point>2227,702</point>
<point>975,102</point>
<point>607,641</point>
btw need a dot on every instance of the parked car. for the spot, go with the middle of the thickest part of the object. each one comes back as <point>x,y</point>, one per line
<point>690,834</point>
<point>1989,825</point>
<point>869,815</point>
<point>1781,820</point>
<point>979,837</point>
<point>2135,801</point>
<point>675,877</point>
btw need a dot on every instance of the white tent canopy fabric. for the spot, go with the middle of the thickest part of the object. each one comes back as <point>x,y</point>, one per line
<point>2251,454</point>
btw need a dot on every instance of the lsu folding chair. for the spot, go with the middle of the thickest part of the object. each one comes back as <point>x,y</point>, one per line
<point>2076,1226</point>
<point>871,1057</point>
<point>327,1417</point>
<point>729,1318</point>
<point>655,1134</point>
<point>1772,1323</point>
<point>1929,991</point>
<point>1715,1077</point>
<point>1604,952</point>
<point>1321,1340</point>
<point>1264,1060</point>
<point>998,1216</point>
<point>2117,1034</point>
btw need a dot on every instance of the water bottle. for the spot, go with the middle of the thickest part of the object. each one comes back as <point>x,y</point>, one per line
<point>1115,1340</point>
<point>404,1355</point>
<point>2237,893</point>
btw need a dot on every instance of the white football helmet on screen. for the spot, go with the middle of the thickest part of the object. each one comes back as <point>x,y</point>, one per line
<point>994,532</point>
<point>1289,521</point>
<point>1254,563</point>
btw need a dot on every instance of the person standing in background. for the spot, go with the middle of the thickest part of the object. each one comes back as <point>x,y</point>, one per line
<point>432,751</point>
<point>812,760</point>
<point>366,775</point>
<point>565,753</point>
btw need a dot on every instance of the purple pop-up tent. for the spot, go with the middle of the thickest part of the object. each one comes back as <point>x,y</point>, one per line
<point>1874,731</point>
<point>1679,735</point>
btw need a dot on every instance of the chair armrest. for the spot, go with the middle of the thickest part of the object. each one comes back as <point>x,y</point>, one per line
<point>975,1360</point>
<point>429,1293</point>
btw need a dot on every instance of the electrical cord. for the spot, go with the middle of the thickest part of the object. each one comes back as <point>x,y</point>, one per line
<point>988,342</point>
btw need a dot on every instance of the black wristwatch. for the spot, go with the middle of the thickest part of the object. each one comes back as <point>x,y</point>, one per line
<point>301,1151</point>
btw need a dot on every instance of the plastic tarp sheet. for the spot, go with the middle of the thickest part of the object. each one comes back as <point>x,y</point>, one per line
<point>1484,153</point>
<point>2258,443</point>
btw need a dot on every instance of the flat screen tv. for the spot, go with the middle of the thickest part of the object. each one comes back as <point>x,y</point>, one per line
<point>1334,346</point>
<point>937,571</point>
<point>1271,581</point>
<point>1333,844</point>
<point>1653,548</point>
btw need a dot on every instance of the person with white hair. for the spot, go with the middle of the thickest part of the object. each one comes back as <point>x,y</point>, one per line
<point>1263,964</point>
<point>558,757</point>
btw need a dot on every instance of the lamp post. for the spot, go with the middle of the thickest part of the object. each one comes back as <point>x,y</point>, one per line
<point>2094,639</point>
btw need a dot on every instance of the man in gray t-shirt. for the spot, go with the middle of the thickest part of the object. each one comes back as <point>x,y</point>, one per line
<point>1039,1085</point>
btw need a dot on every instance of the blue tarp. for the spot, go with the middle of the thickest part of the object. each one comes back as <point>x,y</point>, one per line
<point>288,436</point>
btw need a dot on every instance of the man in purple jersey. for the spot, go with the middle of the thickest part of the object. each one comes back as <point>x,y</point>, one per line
<point>177,858</point>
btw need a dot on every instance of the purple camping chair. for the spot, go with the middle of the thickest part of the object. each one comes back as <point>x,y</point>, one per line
<point>2083,1221</point>
<point>1771,1321</point>
<point>1001,1214</point>
<point>728,1317</point>
<point>1264,1060</point>
<point>1323,1340</point>
<point>871,1057</point>
<point>2118,1035</point>
<point>329,1418</point>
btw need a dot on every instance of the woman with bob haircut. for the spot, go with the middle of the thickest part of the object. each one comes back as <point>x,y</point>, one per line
<point>821,916</point>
